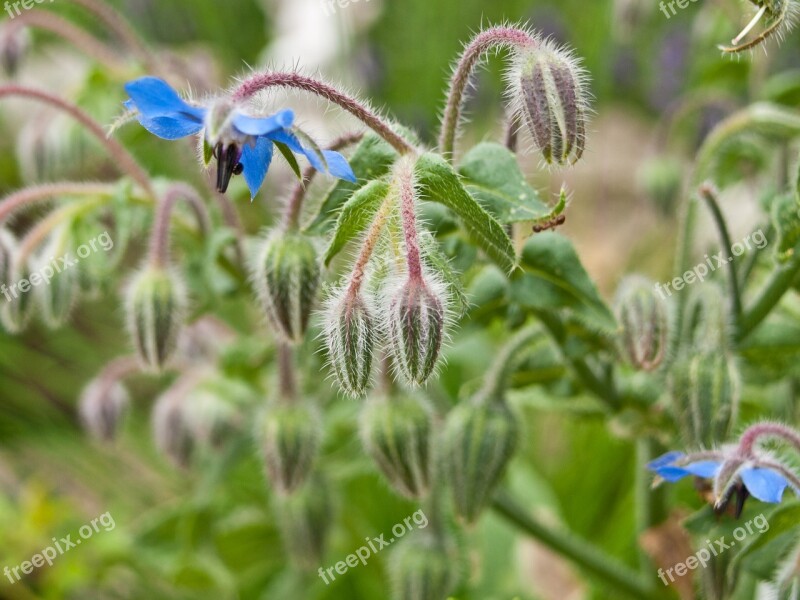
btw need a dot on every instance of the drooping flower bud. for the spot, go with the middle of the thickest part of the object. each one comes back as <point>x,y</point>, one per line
<point>156,302</point>
<point>551,94</point>
<point>480,438</point>
<point>705,391</point>
<point>287,276</point>
<point>102,406</point>
<point>57,287</point>
<point>424,567</point>
<point>290,439</point>
<point>643,316</point>
<point>397,432</point>
<point>304,518</point>
<point>350,336</point>
<point>170,423</point>
<point>17,300</point>
<point>707,321</point>
<point>416,322</point>
<point>14,44</point>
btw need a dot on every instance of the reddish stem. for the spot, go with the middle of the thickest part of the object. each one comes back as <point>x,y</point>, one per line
<point>262,81</point>
<point>405,183</point>
<point>46,192</point>
<point>159,241</point>
<point>288,385</point>
<point>773,430</point>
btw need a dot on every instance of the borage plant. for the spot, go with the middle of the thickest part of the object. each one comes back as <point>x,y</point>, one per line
<point>413,254</point>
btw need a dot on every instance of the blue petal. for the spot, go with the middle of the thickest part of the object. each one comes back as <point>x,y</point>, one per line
<point>705,468</point>
<point>263,125</point>
<point>764,484</point>
<point>338,166</point>
<point>153,97</point>
<point>664,460</point>
<point>169,128</point>
<point>255,161</point>
<point>288,138</point>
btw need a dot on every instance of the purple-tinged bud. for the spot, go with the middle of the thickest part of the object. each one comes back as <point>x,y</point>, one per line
<point>480,437</point>
<point>705,391</point>
<point>102,406</point>
<point>171,424</point>
<point>397,432</point>
<point>14,45</point>
<point>290,437</point>
<point>304,518</point>
<point>550,92</point>
<point>156,302</point>
<point>416,322</point>
<point>287,276</point>
<point>424,567</point>
<point>644,319</point>
<point>350,335</point>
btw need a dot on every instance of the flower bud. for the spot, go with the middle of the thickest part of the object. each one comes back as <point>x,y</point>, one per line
<point>397,433</point>
<point>17,305</point>
<point>170,424</point>
<point>707,320</point>
<point>705,391</point>
<point>479,440</point>
<point>287,276</point>
<point>643,316</point>
<point>290,439</point>
<point>102,405</point>
<point>416,324</point>
<point>57,291</point>
<point>14,44</point>
<point>423,567</point>
<point>156,303</point>
<point>553,99</point>
<point>350,336</point>
<point>304,518</point>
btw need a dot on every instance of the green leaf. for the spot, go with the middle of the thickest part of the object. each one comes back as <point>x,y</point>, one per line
<point>290,158</point>
<point>553,278</point>
<point>438,182</point>
<point>437,260</point>
<point>208,151</point>
<point>491,174</point>
<point>773,535</point>
<point>371,160</point>
<point>356,215</point>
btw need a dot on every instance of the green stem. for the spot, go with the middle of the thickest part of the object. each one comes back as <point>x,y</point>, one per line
<point>709,194</point>
<point>581,552</point>
<point>770,295</point>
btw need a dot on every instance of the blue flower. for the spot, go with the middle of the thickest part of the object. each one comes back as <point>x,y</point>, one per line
<point>239,142</point>
<point>764,483</point>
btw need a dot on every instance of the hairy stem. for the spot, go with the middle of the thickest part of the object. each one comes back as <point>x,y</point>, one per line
<point>286,378</point>
<point>779,283</point>
<point>48,191</point>
<point>590,558</point>
<point>368,247</point>
<point>262,81</point>
<point>497,378</point>
<point>123,159</point>
<point>495,37</point>
<point>76,36</point>
<point>294,207</point>
<point>159,241</point>
<point>710,195</point>
<point>767,430</point>
<point>405,186</point>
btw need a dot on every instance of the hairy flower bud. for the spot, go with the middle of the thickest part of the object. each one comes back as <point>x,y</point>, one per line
<point>17,305</point>
<point>424,567</point>
<point>350,336</point>
<point>479,440</point>
<point>57,291</point>
<point>707,321</point>
<point>156,302</point>
<point>705,397</point>
<point>14,44</point>
<point>170,423</point>
<point>643,316</point>
<point>416,326</point>
<point>304,518</point>
<point>550,94</point>
<point>290,439</point>
<point>397,433</point>
<point>102,405</point>
<point>287,276</point>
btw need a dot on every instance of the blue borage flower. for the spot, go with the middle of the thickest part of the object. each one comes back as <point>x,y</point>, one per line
<point>761,478</point>
<point>240,143</point>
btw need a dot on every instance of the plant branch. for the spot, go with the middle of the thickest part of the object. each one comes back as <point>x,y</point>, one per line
<point>159,241</point>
